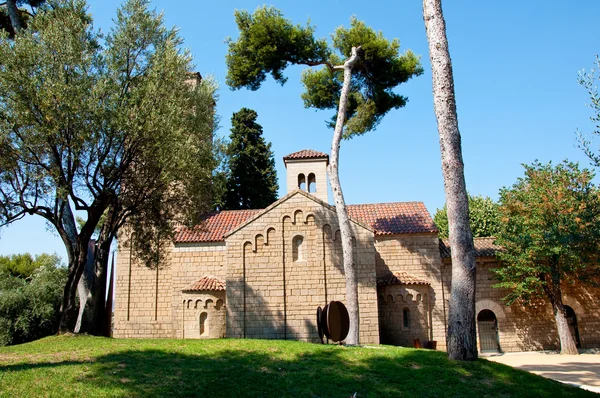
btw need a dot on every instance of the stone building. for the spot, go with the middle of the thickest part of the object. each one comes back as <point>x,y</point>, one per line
<point>262,274</point>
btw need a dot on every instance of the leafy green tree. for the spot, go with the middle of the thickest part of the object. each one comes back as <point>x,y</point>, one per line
<point>550,230</point>
<point>252,179</point>
<point>115,126</point>
<point>483,217</point>
<point>30,297</point>
<point>14,16</point>
<point>357,74</point>
<point>23,265</point>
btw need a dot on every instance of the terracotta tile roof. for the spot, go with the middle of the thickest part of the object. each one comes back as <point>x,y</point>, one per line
<point>214,226</point>
<point>206,283</point>
<point>394,218</point>
<point>484,247</point>
<point>306,154</point>
<point>401,278</point>
<point>382,218</point>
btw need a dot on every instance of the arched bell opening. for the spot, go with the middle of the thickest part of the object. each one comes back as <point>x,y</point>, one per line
<point>312,183</point>
<point>302,182</point>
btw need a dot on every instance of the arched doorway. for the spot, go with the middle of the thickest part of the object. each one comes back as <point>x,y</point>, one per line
<point>487,324</point>
<point>572,322</point>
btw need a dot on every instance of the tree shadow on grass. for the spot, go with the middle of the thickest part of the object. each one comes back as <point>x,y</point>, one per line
<point>276,370</point>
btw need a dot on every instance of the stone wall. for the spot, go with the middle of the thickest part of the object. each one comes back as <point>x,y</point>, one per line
<point>530,327</point>
<point>419,256</point>
<point>203,315</point>
<point>404,314</point>
<point>145,309</point>
<point>290,258</point>
<point>143,302</point>
<point>318,167</point>
<point>191,262</point>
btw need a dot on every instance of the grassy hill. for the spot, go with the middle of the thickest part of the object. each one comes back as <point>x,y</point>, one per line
<point>96,367</point>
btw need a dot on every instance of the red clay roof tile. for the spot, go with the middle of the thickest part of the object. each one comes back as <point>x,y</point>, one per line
<point>214,226</point>
<point>484,247</point>
<point>383,218</point>
<point>206,283</point>
<point>401,278</point>
<point>306,154</point>
<point>394,218</point>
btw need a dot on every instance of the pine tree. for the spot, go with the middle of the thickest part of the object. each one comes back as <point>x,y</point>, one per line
<point>252,180</point>
<point>355,76</point>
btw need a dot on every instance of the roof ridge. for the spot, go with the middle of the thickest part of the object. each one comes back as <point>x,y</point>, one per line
<point>385,203</point>
<point>306,154</point>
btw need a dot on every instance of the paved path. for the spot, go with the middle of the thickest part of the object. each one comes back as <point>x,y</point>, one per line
<point>582,370</point>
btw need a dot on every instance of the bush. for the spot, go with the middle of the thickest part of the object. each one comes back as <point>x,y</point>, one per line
<point>29,307</point>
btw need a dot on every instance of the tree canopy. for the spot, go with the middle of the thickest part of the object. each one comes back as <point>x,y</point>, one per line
<point>115,125</point>
<point>252,178</point>
<point>550,232</point>
<point>268,43</point>
<point>589,81</point>
<point>23,265</point>
<point>483,217</point>
<point>14,16</point>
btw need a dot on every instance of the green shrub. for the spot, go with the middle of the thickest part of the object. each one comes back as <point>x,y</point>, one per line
<point>29,307</point>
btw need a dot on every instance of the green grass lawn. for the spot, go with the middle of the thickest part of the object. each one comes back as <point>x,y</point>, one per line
<point>93,366</point>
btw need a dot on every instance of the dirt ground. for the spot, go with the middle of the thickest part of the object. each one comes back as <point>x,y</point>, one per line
<point>582,370</point>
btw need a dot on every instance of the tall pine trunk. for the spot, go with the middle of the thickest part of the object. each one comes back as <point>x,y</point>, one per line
<point>340,207</point>
<point>462,341</point>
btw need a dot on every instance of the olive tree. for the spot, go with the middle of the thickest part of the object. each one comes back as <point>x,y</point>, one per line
<point>107,126</point>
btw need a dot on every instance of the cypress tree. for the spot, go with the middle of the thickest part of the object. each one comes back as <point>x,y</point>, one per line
<point>252,180</point>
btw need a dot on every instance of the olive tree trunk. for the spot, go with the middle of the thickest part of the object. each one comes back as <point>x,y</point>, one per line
<point>77,253</point>
<point>462,341</point>
<point>554,293</point>
<point>14,15</point>
<point>340,205</point>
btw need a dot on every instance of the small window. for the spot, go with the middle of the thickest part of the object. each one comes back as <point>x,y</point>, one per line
<point>312,184</point>
<point>297,248</point>
<point>406,318</point>
<point>203,324</point>
<point>302,182</point>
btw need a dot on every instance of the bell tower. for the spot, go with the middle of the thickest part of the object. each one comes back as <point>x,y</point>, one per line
<point>307,170</point>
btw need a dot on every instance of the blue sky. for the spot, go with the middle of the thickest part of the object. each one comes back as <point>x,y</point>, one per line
<point>515,70</point>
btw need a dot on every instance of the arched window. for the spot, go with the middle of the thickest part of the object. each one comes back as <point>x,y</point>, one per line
<point>406,318</point>
<point>297,243</point>
<point>302,182</point>
<point>312,183</point>
<point>203,324</point>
